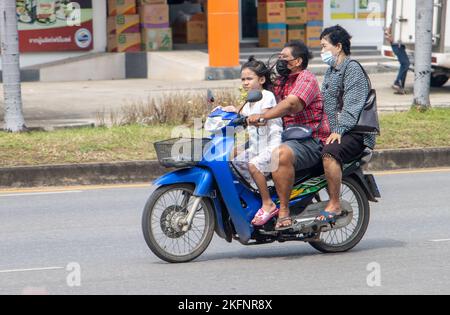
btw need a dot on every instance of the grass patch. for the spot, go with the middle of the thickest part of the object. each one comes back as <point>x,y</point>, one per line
<point>120,143</point>
<point>134,142</point>
<point>414,129</point>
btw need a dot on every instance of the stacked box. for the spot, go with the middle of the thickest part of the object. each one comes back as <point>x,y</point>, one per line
<point>154,16</point>
<point>296,12</point>
<point>272,35</point>
<point>296,17</point>
<point>155,31</point>
<point>123,26</point>
<point>314,10</point>
<point>126,42</point>
<point>313,31</point>
<point>296,32</point>
<point>272,23</point>
<point>314,25</point>
<point>142,2</point>
<point>271,11</point>
<point>191,31</point>
<point>156,39</point>
<point>120,24</point>
<point>121,7</point>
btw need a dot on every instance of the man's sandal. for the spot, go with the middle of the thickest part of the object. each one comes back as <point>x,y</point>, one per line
<point>279,226</point>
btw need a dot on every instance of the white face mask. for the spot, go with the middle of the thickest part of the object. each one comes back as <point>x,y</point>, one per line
<point>328,58</point>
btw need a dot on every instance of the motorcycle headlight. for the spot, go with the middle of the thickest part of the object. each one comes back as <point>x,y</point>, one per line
<point>213,124</point>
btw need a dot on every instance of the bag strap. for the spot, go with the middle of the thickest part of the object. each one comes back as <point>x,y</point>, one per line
<point>341,91</point>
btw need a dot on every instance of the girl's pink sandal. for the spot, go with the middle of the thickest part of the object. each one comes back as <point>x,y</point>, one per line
<point>263,217</point>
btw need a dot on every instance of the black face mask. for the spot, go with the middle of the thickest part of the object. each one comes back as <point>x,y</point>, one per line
<point>282,68</point>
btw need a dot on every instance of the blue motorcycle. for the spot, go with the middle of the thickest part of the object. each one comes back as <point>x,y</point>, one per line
<point>207,194</point>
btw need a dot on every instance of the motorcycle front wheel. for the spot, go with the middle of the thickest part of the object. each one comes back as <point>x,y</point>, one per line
<point>163,233</point>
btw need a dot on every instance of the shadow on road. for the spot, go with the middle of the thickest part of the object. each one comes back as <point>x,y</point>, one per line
<point>299,251</point>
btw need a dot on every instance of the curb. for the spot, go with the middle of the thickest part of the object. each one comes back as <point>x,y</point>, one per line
<point>145,171</point>
<point>80,174</point>
<point>385,160</point>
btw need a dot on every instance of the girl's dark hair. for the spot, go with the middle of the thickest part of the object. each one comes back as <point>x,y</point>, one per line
<point>261,70</point>
<point>300,50</point>
<point>338,35</point>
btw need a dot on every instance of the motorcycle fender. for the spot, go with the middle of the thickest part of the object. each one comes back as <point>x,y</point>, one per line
<point>369,190</point>
<point>203,181</point>
<point>201,178</point>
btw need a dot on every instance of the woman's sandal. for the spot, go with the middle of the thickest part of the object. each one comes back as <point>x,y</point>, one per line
<point>330,217</point>
<point>279,226</point>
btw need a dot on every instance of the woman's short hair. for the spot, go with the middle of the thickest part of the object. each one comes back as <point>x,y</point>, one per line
<point>338,35</point>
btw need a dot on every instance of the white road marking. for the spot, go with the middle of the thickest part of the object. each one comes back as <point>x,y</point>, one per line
<point>405,172</point>
<point>30,269</point>
<point>72,188</point>
<point>442,240</point>
<point>41,193</point>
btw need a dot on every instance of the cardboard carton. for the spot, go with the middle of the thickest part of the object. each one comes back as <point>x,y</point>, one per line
<point>123,24</point>
<point>192,31</point>
<point>154,15</point>
<point>271,11</point>
<point>157,39</point>
<point>118,7</point>
<point>272,35</point>
<point>125,42</point>
<point>296,12</point>
<point>296,32</point>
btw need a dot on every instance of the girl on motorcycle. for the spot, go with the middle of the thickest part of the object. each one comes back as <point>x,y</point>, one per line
<point>256,160</point>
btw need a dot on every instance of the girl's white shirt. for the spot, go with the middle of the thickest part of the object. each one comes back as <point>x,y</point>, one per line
<point>265,138</point>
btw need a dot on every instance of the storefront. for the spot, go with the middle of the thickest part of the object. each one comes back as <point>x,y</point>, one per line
<point>363,18</point>
<point>54,36</point>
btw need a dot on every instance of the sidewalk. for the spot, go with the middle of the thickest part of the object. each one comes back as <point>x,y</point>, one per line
<point>62,103</point>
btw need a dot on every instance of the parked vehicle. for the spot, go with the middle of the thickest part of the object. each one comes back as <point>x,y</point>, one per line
<point>401,17</point>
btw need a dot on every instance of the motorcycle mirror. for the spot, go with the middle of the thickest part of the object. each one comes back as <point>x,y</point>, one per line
<point>210,97</point>
<point>254,96</point>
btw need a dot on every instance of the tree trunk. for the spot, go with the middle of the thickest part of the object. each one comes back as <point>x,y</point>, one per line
<point>422,54</point>
<point>9,37</point>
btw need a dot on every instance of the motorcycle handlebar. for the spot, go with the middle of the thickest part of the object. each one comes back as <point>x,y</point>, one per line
<point>240,121</point>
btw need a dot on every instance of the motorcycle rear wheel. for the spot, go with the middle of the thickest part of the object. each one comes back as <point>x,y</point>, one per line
<point>346,238</point>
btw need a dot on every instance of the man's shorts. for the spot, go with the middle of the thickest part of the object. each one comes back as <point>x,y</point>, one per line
<point>307,153</point>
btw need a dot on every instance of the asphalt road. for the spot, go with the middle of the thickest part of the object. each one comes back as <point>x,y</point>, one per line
<point>89,241</point>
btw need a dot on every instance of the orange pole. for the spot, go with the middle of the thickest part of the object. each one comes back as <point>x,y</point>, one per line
<point>223,33</point>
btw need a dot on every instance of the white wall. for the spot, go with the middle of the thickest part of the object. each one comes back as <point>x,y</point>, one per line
<point>363,33</point>
<point>100,40</point>
<point>103,67</point>
<point>447,29</point>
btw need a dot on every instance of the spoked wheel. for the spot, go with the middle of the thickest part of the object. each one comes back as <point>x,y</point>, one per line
<point>344,239</point>
<point>162,224</point>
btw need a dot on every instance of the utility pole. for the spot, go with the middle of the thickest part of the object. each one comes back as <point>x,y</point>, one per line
<point>9,37</point>
<point>422,54</point>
